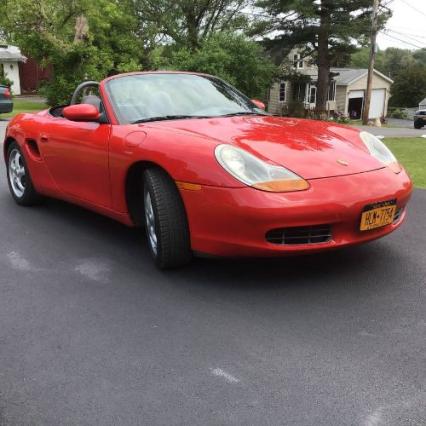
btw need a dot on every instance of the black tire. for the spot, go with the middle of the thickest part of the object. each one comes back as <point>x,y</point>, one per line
<point>418,124</point>
<point>171,231</point>
<point>29,196</point>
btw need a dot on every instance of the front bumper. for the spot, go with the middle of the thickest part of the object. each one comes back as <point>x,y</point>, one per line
<point>234,221</point>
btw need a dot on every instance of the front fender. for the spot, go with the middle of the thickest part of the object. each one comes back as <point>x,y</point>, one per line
<point>185,157</point>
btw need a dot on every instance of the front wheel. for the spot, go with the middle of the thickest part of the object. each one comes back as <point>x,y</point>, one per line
<point>418,124</point>
<point>19,179</point>
<point>165,221</point>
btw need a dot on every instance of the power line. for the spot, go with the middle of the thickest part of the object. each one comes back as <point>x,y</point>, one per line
<point>407,36</point>
<point>414,8</point>
<point>401,40</point>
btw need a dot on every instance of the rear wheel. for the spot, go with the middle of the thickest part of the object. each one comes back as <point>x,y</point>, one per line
<point>19,179</point>
<point>165,221</point>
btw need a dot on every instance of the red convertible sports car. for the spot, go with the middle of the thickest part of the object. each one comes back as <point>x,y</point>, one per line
<point>205,169</point>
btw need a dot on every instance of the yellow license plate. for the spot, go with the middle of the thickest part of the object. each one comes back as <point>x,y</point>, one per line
<point>378,216</point>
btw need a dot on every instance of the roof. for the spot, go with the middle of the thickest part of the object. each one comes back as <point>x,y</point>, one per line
<point>11,55</point>
<point>348,76</point>
<point>423,102</point>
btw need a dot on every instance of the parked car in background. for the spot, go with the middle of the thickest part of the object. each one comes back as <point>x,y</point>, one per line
<point>6,103</point>
<point>420,118</point>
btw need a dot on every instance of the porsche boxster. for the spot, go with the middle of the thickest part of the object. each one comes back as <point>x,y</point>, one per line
<point>205,169</point>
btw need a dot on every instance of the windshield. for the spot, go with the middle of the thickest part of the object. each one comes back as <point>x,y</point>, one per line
<point>152,97</point>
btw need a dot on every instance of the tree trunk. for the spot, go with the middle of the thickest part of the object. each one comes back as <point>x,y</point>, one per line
<point>192,29</point>
<point>323,62</point>
<point>81,29</point>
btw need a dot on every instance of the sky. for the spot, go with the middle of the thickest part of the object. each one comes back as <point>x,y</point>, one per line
<point>407,27</point>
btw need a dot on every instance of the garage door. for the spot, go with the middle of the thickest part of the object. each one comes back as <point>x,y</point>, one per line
<point>356,94</point>
<point>377,105</point>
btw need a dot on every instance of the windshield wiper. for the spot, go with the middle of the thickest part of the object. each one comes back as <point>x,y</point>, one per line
<point>167,117</point>
<point>234,114</point>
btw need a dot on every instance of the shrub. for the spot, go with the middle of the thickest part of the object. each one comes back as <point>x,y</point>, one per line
<point>296,109</point>
<point>398,113</point>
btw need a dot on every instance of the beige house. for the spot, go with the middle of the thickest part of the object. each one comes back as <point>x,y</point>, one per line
<point>345,95</point>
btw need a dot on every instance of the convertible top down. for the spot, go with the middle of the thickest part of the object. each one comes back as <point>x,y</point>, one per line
<point>205,169</point>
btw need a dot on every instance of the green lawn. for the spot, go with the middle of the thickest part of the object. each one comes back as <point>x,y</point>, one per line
<point>20,105</point>
<point>411,152</point>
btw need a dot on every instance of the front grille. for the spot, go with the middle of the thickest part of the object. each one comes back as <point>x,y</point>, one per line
<point>398,214</point>
<point>300,235</point>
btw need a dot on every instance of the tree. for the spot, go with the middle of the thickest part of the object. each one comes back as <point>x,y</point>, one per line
<point>420,56</point>
<point>326,29</point>
<point>232,57</point>
<point>408,88</point>
<point>74,38</point>
<point>188,22</point>
<point>391,61</point>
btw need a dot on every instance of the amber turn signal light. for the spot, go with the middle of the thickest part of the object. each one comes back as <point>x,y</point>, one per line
<point>285,185</point>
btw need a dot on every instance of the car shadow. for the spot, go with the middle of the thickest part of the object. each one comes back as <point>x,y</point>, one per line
<point>334,267</point>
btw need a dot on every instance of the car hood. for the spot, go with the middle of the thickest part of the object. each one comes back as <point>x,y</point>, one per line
<point>312,149</point>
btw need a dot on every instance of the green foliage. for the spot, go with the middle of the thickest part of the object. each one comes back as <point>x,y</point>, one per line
<point>299,23</point>
<point>420,56</point>
<point>188,23</point>
<point>360,58</point>
<point>391,61</point>
<point>324,30</point>
<point>235,59</point>
<point>409,87</point>
<point>5,81</point>
<point>342,119</point>
<point>397,113</point>
<point>296,109</point>
<point>48,31</point>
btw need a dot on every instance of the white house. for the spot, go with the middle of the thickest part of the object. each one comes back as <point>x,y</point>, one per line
<point>10,56</point>
<point>345,95</point>
<point>422,104</point>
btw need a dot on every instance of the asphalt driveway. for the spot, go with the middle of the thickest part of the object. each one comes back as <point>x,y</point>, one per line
<point>92,334</point>
<point>394,132</point>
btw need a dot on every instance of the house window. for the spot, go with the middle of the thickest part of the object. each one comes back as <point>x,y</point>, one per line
<point>332,91</point>
<point>299,92</point>
<point>297,61</point>
<point>312,95</point>
<point>282,91</point>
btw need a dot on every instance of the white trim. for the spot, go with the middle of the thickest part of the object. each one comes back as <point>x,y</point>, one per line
<point>298,61</point>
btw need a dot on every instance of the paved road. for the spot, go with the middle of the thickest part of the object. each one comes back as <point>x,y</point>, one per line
<point>395,132</point>
<point>92,334</point>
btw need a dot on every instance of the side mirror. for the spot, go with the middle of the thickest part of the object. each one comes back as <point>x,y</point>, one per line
<point>258,103</point>
<point>81,112</point>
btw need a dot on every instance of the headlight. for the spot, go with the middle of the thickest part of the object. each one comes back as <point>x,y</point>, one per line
<point>380,151</point>
<point>257,173</point>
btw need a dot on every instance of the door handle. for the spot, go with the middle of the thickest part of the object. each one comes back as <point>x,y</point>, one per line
<point>44,138</point>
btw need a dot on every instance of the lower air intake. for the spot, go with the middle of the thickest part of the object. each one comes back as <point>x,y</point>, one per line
<point>301,235</point>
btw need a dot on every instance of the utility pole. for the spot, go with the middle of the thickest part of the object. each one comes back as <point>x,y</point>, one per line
<point>374,30</point>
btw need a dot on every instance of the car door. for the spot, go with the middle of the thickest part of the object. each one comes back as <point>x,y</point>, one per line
<point>76,154</point>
